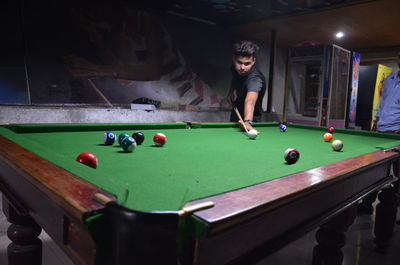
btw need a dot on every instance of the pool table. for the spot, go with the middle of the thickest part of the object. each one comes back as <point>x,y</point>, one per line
<point>210,195</point>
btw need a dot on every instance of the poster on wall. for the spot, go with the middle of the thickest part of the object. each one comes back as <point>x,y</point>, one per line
<point>382,73</point>
<point>354,89</point>
<point>111,55</point>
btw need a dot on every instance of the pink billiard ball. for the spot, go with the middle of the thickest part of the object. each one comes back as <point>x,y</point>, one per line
<point>88,159</point>
<point>159,139</point>
<point>291,155</point>
<point>330,130</point>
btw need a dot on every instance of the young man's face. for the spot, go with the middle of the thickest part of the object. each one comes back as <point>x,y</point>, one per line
<point>243,64</point>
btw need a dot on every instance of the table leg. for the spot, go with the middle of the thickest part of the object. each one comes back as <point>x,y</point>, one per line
<point>26,247</point>
<point>385,216</point>
<point>331,238</point>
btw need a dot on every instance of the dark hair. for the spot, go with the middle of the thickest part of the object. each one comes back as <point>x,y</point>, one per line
<point>245,48</point>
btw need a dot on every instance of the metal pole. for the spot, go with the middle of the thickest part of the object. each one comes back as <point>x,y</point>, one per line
<point>271,69</point>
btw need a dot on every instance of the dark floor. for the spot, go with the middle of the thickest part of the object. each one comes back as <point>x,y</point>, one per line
<point>358,251</point>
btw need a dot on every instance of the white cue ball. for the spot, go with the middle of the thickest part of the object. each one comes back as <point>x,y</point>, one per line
<point>252,134</point>
<point>337,145</point>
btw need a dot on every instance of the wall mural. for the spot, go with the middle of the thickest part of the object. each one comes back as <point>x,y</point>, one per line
<point>111,55</point>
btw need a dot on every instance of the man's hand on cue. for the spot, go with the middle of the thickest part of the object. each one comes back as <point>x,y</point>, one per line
<point>248,126</point>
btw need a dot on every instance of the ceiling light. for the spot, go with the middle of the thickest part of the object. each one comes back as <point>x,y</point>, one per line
<point>339,35</point>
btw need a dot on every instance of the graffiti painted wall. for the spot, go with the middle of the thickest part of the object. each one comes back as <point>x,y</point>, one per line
<point>109,54</point>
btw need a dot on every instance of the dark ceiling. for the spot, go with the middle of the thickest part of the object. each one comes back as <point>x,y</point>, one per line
<point>367,24</point>
<point>233,12</point>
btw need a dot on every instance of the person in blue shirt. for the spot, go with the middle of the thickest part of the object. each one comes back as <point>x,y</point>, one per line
<point>388,116</point>
<point>387,121</point>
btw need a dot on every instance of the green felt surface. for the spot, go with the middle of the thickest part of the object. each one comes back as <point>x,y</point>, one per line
<point>195,163</point>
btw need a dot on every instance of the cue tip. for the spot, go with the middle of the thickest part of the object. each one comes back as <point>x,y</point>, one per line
<point>195,207</point>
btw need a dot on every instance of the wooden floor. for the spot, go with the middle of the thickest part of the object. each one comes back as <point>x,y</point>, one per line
<point>358,251</point>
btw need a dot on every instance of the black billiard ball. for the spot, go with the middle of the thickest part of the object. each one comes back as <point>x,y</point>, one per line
<point>139,137</point>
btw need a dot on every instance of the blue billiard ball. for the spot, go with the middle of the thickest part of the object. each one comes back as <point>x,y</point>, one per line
<point>109,138</point>
<point>282,127</point>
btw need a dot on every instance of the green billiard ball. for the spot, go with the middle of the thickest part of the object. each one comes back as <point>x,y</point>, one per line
<point>122,136</point>
<point>128,144</point>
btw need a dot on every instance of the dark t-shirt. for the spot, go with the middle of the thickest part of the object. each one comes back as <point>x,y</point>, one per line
<point>254,81</point>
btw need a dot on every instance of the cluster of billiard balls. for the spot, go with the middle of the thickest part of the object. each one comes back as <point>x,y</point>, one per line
<point>129,143</point>
<point>125,140</point>
<point>337,145</point>
<point>291,155</point>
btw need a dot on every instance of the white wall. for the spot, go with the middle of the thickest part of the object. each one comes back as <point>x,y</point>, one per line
<point>23,114</point>
<point>279,82</point>
<point>20,114</point>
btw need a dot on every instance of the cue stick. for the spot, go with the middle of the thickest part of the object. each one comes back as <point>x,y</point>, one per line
<point>101,198</point>
<point>240,119</point>
<point>286,87</point>
<point>99,92</point>
<point>195,207</point>
<point>393,149</point>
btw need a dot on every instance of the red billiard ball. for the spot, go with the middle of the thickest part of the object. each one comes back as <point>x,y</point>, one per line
<point>291,155</point>
<point>331,130</point>
<point>88,159</point>
<point>159,139</point>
